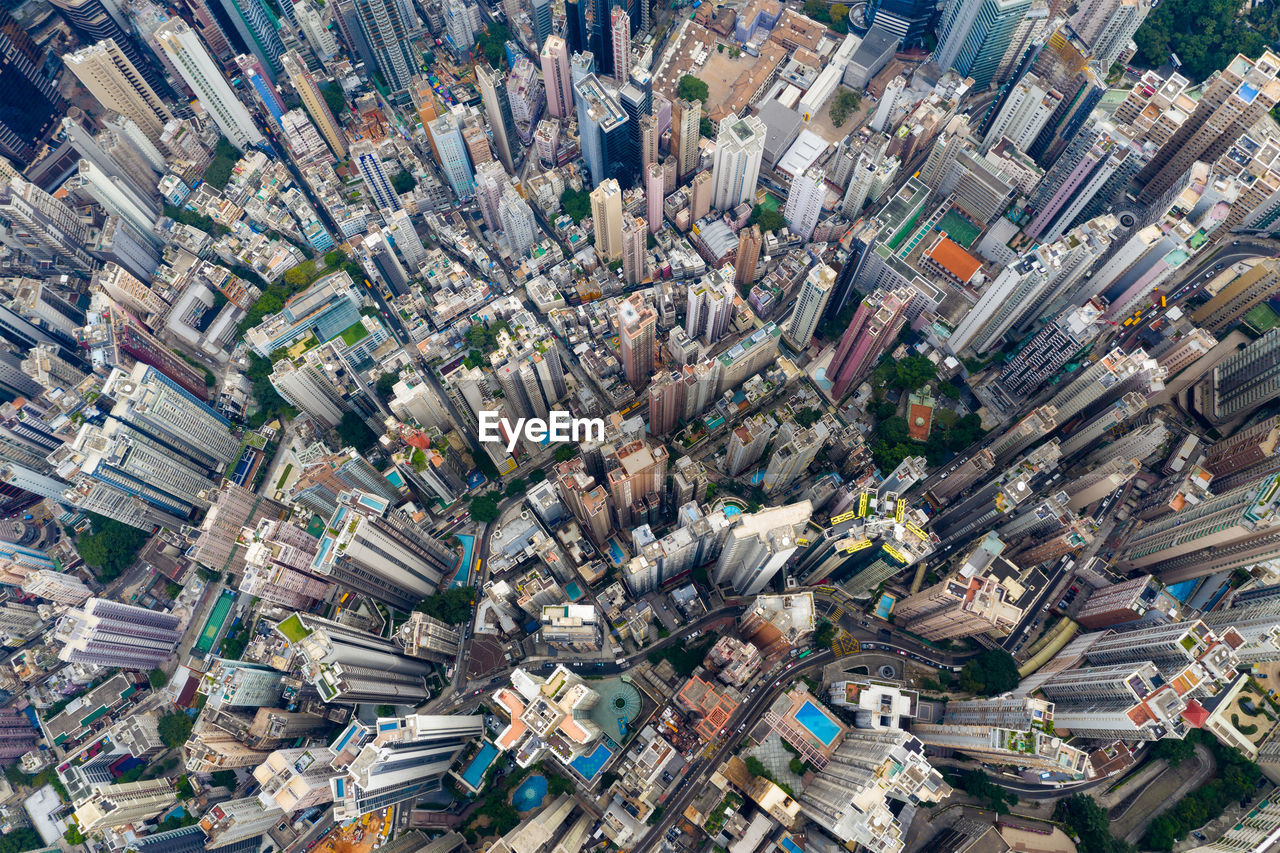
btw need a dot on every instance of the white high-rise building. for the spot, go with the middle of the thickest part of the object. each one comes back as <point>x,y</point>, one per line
<point>736,168</point>
<point>56,587</point>
<point>709,311</point>
<point>1107,25</point>
<point>202,75</point>
<point>306,387</point>
<point>804,202</point>
<point>517,221</point>
<point>1025,113</point>
<point>606,217</point>
<point>397,759</point>
<point>108,633</point>
<point>810,304</point>
<point>759,545</point>
<point>381,192</point>
<point>349,665</point>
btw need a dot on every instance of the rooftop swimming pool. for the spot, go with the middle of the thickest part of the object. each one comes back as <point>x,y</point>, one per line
<point>463,577</point>
<point>817,723</point>
<point>590,764</point>
<point>788,845</point>
<point>885,605</point>
<point>572,590</point>
<point>474,774</point>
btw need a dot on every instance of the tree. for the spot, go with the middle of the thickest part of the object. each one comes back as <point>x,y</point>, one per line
<point>807,417</point>
<point>1205,34</point>
<point>484,509</point>
<point>451,606</point>
<point>769,220</point>
<point>576,203</point>
<point>225,779</point>
<point>493,43</point>
<point>175,728</point>
<point>755,766</point>
<point>839,12</point>
<point>825,633</point>
<point>218,172</point>
<point>1088,821</point>
<point>157,678</point>
<point>1173,750</point>
<point>913,372</point>
<point>517,487</point>
<point>565,452</point>
<point>354,433</point>
<point>386,384</point>
<point>183,788</point>
<point>845,102</point>
<point>656,815</point>
<point>537,475</point>
<point>892,430</point>
<point>706,128</point>
<point>111,547</point>
<point>73,835</point>
<point>403,182</point>
<point>690,88</point>
<point>991,673</point>
<point>296,278</point>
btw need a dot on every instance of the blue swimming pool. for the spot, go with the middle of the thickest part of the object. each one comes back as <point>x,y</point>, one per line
<point>616,554</point>
<point>1182,591</point>
<point>788,845</point>
<point>463,577</point>
<point>530,794</point>
<point>819,724</point>
<point>589,765</point>
<point>474,774</point>
<point>572,590</point>
<point>730,510</point>
<point>820,377</point>
<point>885,606</point>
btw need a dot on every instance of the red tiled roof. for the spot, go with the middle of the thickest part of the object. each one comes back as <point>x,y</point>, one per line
<point>954,259</point>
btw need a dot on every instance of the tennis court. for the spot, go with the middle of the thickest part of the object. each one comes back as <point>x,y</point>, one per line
<point>213,627</point>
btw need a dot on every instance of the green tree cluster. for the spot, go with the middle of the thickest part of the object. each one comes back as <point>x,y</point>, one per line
<point>73,835</point>
<point>175,728</point>
<point>225,779</point>
<point>992,672</point>
<point>403,182</point>
<point>1235,779</point>
<point>909,374</point>
<point>892,443</point>
<point>1083,818</point>
<point>836,16</point>
<point>334,98</point>
<point>845,102</point>
<point>195,220</point>
<point>690,88</point>
<point>157,678</point>
<point>111,547</point>
<point>576,203</point>
<point>1205,34</point>
<point>275,294</point>
<point>485,337</point>
<point>565,452</point>
<point>492,43</point>
<point>386,384</point>
<point>825,633</point>
<point>808,416</point>
<point>484,509</point>
<point>768,220</point>
<point>218,172</point>
<point>537,475</point>
<point>355,433</point>
<point>270,403</point>
<point>707,128</point>
<point>517,487</point>
<point>684,658</point>
<point>451,606</point>
<point>978,784</point>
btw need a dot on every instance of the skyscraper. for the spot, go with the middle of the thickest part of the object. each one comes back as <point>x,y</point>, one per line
<point>759,545</point>
<point>620,30</point>
<point>709,310</point>
<point>750,241</point>
<point>804,202</point>
<point>397,760</point>
<point>637,330</point>
<point>556,77</point>
<point>1106,27</point>
<point>635,254</point>
<point>108,633</point>
<point>604,131</point>
<point>381,192</point>
<point>376,549</point>
<point>257,30</point>
<point>308,388</point>
<point>686,131</point>
<point>317,107</point>
<point>814,294</point>
<point>128,802</point>
<point>95,21</point>
<point>387,32</point>
<point>873,330</point>
<point>112,78</point>
<point>349,665</point>
<point>654,193</point>
<point>606,216</point>
<point>739,152</point>
<point>541,19</point>
<point>1241,382</point>
<point>1234,98</point>
<point>204,78</point>
<point>446,132</point>
<point>42,227</point>
<point>31,104</point>
<point>497,108</point>
<point>974,34</point>
<point>517,221</point>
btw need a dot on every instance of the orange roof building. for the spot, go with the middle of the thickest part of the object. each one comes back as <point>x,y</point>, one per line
<point>949,258</point>
<point>714,709</point>
<point>919,416</point>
